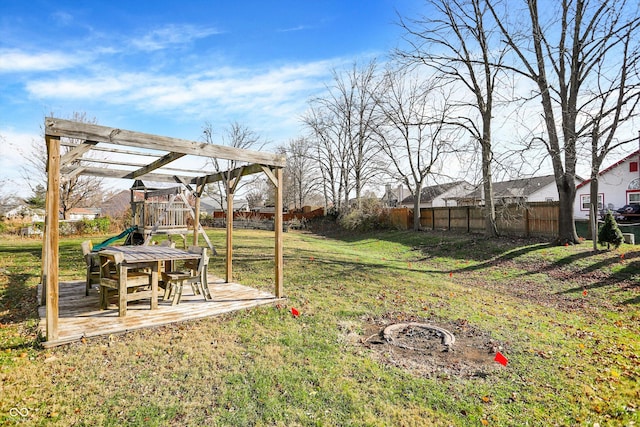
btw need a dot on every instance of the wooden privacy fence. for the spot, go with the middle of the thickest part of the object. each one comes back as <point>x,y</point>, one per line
<point>532,219</point>
<point>288,216</point>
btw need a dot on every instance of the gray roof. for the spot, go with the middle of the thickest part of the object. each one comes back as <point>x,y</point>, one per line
<point>431,192</point>
<point>515,188</point>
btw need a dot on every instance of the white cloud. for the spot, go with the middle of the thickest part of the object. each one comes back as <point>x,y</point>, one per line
<point>15,147</point>
<point>79,88</point>
<point>13,60</point>
<point>62,18</point>
<point>172,35</point>
<point>292,29</point>
<point>235,89</point>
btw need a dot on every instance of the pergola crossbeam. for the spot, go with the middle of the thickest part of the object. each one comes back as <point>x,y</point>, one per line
<point>97,161</point>
<point>91,132</point>
<point>222,176</point>
<point>77,152</point>
<point>123,174</point>
<point>165,160</point>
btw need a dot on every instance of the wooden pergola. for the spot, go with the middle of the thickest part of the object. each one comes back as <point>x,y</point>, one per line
<point>82,139</point>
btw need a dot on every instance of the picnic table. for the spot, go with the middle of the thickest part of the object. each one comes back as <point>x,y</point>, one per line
<point>124,268</point>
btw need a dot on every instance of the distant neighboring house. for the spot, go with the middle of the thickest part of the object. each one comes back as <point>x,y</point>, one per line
<point>78,214</point>
<point>25,214</point>
<point>618,185</point>
<point>211,205</point>
<point>534,189</point>
<point>393,195</point>
<point>439,195</point>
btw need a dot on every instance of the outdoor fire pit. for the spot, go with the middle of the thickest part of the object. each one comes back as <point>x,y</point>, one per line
<point>419,337</point>
<point>429,348</point>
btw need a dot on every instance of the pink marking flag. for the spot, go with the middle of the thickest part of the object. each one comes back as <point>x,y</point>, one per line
<point>295,312</point>
<point>501,359</point>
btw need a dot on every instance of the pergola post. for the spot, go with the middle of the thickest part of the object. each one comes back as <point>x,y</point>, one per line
<point>51,261</point>
<point>196,221</point>
<point>45,253</point>
<point>229,258</point>
<point>279,277</point>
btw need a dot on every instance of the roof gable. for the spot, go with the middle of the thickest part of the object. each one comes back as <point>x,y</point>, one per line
<point>610,168</point>
<point>431,192</point>
<point>516,188</point>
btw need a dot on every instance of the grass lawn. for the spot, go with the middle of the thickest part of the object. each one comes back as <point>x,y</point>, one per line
<point>567,319</point>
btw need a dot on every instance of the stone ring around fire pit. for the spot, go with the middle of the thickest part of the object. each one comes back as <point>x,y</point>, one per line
<point>391,334</point>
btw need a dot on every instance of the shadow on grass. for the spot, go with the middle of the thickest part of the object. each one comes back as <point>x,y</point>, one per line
<point>509,255</point>
<point>465,246</point>
<point>618,281</point>
<point>19,300</point>
<point>9,250</point>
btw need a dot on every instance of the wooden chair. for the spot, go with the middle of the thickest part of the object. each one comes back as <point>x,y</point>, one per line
<point>195,274</point>
<point>168,243</point>
<point>138,282</point>
<point>93,265</point>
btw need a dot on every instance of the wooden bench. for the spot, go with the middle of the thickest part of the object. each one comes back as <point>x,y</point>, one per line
<point>114,274</point>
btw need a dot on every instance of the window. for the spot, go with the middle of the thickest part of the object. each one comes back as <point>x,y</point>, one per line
<point>633,167</point>
<point>633,192</point>
<point>585,201</point>
<point>634,198</point>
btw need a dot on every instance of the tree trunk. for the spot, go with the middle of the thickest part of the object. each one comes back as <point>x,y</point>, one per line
<point>491,229</point>
<point>566,224</point>
<point>593,210</point>
<point>416,207</point>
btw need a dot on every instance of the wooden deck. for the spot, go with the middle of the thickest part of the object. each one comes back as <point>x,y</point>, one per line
<point>80,316</point>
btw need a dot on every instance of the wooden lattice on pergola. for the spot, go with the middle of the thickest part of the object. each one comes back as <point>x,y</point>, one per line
<point>83,139</point>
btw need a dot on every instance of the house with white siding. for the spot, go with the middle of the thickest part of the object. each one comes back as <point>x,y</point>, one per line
<point>533,189</point>
<point>78,214</point>
<point>440,195</point>
<point>618,185</point>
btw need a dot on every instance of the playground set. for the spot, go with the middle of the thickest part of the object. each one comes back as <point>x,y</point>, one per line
<point>159,211</point>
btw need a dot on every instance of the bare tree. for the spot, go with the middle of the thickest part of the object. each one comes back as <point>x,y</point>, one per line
<point>563,52</point>
<point>301,172</point>
<point>75,191</point>
<point>235,135</point>
<point>328,145</point>
<point>342,125</point>
<point>257,192</point>
<point>414,132</point>
<point>457,41</point>
<point>611,109</point>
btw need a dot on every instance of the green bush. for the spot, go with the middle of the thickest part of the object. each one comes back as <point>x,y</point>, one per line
<point>86,226</point>
<point>609,233</point>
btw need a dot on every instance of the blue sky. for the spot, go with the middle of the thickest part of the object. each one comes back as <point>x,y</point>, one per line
<point>167,67</point>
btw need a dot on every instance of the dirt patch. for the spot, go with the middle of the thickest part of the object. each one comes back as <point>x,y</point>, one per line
<point>424,353</point>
